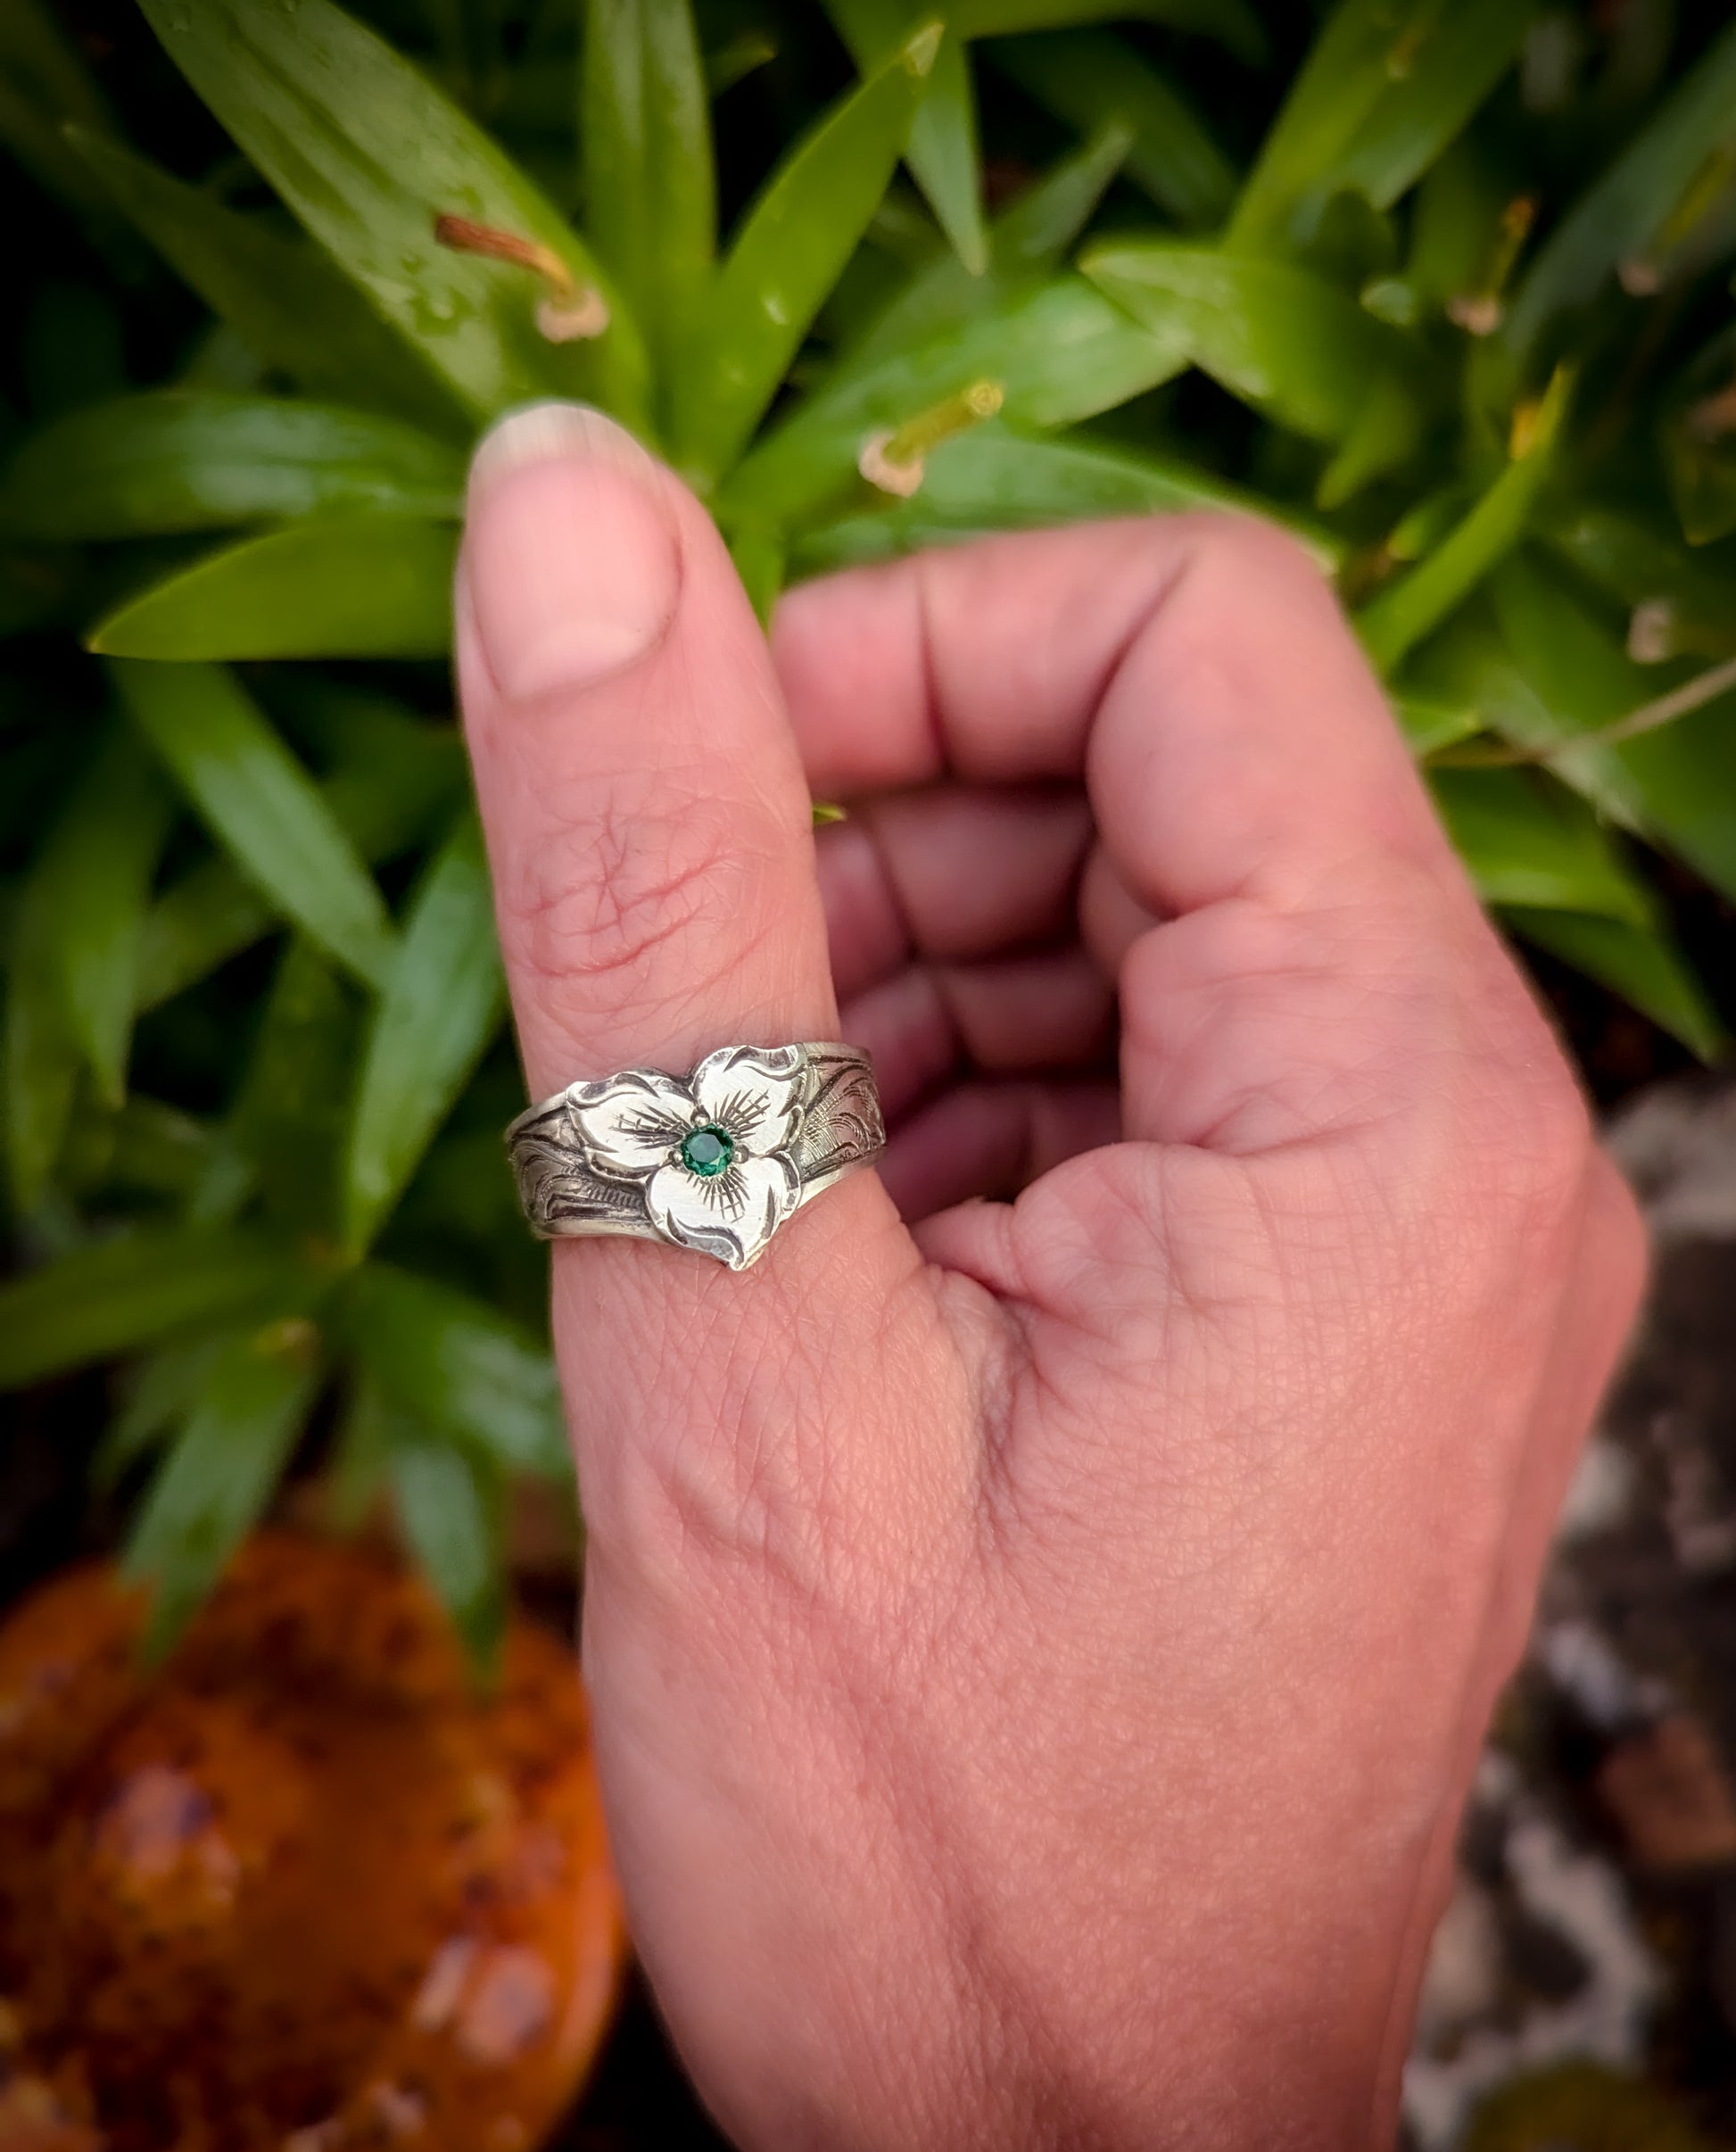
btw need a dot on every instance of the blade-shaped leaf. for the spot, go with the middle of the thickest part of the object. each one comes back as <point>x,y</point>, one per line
<point>262,807</point>
<point>1528,841</point>
<point>442,1002</point>
<point>281,297</point>
<point>214,1483</point>
<point>190,459</point>
<point>788,255</point>
<point>1286,341</point>
<point>287,1128</point>
<point>121,1294</point>
<point>995,479</point>
<point>1026,245</point>
<point>163,1389</point>
<point>942,148</point>
<point>336,586</point>
<point>41,1061</point>
<point>1620,212</point>
<point>1388,84</point>
<point>94,881</point>
<point>1058,353</point>
<point>645,129</point>
<point>458,1366</point>
<point>1093,78</point>
<point>1232,22</point>
<point>1393,623</point>
<point>453,1512</point>
<point>369,153</point>
<point>1639,964</point>
<point>45,86</point>
<point>1683,597</point>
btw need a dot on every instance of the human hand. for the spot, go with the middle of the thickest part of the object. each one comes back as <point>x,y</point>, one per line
<point>1038,1653</point>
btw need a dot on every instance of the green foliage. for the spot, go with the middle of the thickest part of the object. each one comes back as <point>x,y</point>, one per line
<point>1442,286</point>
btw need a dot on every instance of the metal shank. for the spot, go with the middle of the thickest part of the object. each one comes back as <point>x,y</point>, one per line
<point>573,1181</point>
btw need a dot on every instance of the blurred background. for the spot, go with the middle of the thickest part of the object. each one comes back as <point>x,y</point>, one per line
<point>1443,285</point>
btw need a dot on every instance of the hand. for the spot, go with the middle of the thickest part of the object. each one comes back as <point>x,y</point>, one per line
<point>1037,1649</point>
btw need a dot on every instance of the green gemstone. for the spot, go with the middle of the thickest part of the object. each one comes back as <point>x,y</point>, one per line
<point>707,1152</point>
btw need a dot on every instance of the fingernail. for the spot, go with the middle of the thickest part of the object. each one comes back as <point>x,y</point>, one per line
<point>570,551</point>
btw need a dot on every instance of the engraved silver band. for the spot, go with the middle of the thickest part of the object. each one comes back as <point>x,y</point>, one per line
<point>714,1161</point>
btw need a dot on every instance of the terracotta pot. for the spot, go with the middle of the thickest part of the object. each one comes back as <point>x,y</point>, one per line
<point>307,1888</point>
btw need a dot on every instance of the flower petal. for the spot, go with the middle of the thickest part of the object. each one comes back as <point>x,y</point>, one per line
<point>732,1216</point>
<point>754,1092</point>
<point>631,1123</point>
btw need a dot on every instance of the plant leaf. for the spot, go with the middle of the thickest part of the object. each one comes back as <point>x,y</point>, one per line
<point>992,478</point>
<point>452,1511</point>
<point>190,459</point>
<point>1686,593</point>
<point>791,247</point>
<point>1527,841</point>
<point>337,586</point>
<point>93,881</point>
<point>42,1058</point>
<point>441,1005</point>
<point>942,149</point>
<point>262,807</point>
<point>290,1120</point>
<point>458,1366</point>
<point>281,297</point>
<point>1393,623</point>
<point>44,86</point>
<point>1386,87</point>
<point>1283,340</point>
<point>1092,79</point>
<point>1639,964</point>
<point>1059,353</point>
<point>645,129</point>
<point>369,153</point>
<point>120,1293</point>
<point>219,1474</point>
<point>1233,23</point>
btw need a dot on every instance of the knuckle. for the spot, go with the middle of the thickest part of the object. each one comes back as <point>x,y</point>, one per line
<point>650,894</point>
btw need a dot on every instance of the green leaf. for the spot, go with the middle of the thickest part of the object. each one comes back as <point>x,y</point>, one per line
<point>760,560</point>
<point>163,1389</point>
<point>262,807</point>
<point>337,586</point>
<point>1026,245</point>
<point>995,479</point>
<point>942,149</point>
<point>1641,964</point>
<point>1060,352</point>
<point>190,459</point>
<point>441,1005</point>
<point>1620,213</point>
<point>93,882</point>
<point>44,86</point>
<point>1386,87</point>
<point>1685,596</point>
<point>1393,623</point>
<point>1092,79</point>
<point>280,296</point>
<point>290,1120</point>
<point>42,1060</point>
<point>1429,727</point>
<point>369,153</point>
<point>1283,340</point>
<point>453,1513</point>
<point>119,1295</point>
<point>1233,23</point>
<point>1677,785</point>
<point>792,245</point>
<point>221,1473</point>
<point>1700,443</point>
<point>460,1367</point>
<point>1526,839</point>
<point>645,129</point>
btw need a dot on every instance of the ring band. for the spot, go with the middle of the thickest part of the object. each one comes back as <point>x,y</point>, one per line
<point>715,1161</point>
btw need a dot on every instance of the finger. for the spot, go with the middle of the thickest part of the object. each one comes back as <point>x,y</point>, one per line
<point>992,1139</point>
<point>955,872</point>
<point>1248,783</point>
<point>649,831</point>
<point>1053,1011</point>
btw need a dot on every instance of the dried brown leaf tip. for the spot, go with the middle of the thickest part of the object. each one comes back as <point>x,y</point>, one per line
<point>569,311</point>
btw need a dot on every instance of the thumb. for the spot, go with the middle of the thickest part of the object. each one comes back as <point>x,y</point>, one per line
<point>649,835</point>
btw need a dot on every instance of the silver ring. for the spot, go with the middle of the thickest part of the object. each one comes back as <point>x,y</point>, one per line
<point>714,1161</point>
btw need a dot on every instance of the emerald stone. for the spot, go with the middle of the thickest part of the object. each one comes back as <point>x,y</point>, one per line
<point>707,1152</point>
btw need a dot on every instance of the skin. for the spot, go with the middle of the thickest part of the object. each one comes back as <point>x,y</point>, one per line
<point>1038,1647</point>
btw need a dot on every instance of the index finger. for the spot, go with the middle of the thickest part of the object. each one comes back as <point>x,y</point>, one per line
<point>1322,948</point>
